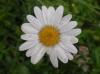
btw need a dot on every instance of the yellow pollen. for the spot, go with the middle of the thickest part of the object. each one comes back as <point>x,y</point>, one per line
<point>49,35</point>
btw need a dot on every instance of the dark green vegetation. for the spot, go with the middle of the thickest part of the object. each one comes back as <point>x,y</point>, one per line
<point>13,14</point>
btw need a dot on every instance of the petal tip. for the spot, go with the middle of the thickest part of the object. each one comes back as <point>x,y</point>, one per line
<point>44,6</point>
<point>78,31</point>
<point>21,48</point>
<point>28,16</point>
<point>61,6</point>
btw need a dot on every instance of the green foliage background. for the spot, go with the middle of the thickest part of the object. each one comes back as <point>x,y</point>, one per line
<point>13,14</point>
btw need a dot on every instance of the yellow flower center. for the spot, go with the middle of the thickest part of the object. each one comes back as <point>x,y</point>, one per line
<point>49,35</point>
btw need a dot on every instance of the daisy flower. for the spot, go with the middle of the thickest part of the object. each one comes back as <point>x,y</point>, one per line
<point>51,33</point>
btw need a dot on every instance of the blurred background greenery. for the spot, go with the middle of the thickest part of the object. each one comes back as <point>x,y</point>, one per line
<point>13,14</point>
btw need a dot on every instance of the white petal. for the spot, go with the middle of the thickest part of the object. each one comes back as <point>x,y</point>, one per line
<point>28,28</point>
<point>69,55</point>
<point>29,37</point>
<point>37,57</point>
<point>59,14</point>
<point>45,14</point>
<point>61,54</point>
<point>68,39</point>
<point>51,12</point>
<point>65,20</point>
<point>69,48</point>
<point>73,32</point>
<point>56,19</point>
<point>68,26</point>
<point>32,51</point>
<point>38,14</point>
<point>27,45</point>
<point>74,40</point>
<point>72,49</point>
<point>53,57</point>
<point>35,22</point>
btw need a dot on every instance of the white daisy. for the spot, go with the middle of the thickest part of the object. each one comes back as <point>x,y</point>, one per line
<point>49,32</point>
